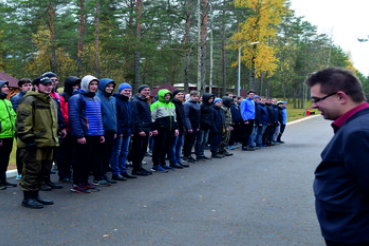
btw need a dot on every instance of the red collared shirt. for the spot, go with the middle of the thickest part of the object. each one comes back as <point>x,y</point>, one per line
<point>343,118</point>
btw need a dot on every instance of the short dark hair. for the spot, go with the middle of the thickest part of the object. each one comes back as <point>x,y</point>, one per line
<point>336,79</point>
<point>227,93</point>
<point>193,93</point>
<point>250,92</point>
<point>23,81</point>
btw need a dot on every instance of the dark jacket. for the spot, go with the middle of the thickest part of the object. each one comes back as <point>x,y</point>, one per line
<point>141,113</point>
<point>227,112</point>
<point>218,125</point>
<point>64,98</point>
<point>264,115</point>
<point>280,115</point>
<point>85,114</point>
<point>206,112</point>
<point>236,114</point>
<point>180,116</point>
<point>271,113</point>
<point>257,115</point>
<point>276,112</point>
<point>15,99</point>
<point>341,183</point>
<point>124,115</point>
<point>193,115</point>
<point>108,106</point>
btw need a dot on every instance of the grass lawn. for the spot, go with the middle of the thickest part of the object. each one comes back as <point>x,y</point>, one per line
<point>292,114</point>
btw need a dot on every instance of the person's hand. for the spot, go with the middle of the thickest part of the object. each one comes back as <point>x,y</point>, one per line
<point>260,124</point>
<point>154,133</point>
<point>115,136</point>
<point>232,128</point>
<point>81,140</point>
<point>198,129</point>
<point>63,133</point>
<point>176,132</point>
<point>246,122</point>
<point>142,134</point>
<point>102,139</point>
<point>190,131</point>
<point>132,135</point>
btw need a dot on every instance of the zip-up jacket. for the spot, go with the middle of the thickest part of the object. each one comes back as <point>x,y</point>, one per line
<point>271,113</point>
<point>64,98</point>
<point>16,98</point>
<point>56,98</point>
<point>141,113</point>
<point>193,114</point>
<point>276,118</point>
<point>163,113</point>
<point>108,106</point>
<point>180,116</point>
<point>37,121</point>
<point>206,112</point>
<point>124,115</point>
<point>284,111</point>
<point>7,116</point>
<point>227,112</point>
<point>218,125</point>
<point>85,114</point>
<point>248,109</point>
<point>236,114</point>
<point>264,115</point>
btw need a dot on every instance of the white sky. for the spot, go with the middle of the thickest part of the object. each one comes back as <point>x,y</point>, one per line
<point>346,20</point>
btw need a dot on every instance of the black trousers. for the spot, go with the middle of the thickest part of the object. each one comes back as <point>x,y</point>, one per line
<point>5,151</point>
<point>65,156</point>
<point>18,160</point>
<point>281,132</point>
<point>161,147</point>
<point>246,132</point>
<point>235,134</point>
<point>188,143</point>
<point>330,243</point>
<point>138,150</point>
<point>86,158</point>
<point>106,151</point>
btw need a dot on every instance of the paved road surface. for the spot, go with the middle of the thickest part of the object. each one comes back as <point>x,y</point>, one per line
<point>253,198</point>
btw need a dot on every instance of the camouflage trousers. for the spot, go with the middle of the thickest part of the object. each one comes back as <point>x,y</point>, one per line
<point>225,140</point>
<point>36,167</point>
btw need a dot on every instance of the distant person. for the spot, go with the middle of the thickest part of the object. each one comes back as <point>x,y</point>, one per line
<point>218,128</point>
<point>341,184</point>
<point>284,122</point>
<point>248,116</point>
<point>7,131</point>
<point>25,84</point>
<point>205,125</point>
<point>227,113</point>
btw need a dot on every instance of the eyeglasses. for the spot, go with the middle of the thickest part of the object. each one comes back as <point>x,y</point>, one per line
<point>317,100</point>
<point>53,80</point>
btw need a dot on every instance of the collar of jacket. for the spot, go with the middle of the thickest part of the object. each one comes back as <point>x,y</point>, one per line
<point>3,95</point>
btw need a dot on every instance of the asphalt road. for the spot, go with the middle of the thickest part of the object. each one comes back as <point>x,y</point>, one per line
<point>252,198</point>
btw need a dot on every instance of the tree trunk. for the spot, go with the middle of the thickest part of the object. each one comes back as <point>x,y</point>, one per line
<point>204,34</point>
<point>211,51</point>
<point>199,15</point>
<point>137,52</point>
<point>81,37</point>
<point>97,36</point>
<point>187,49</point>
<point>224,49</point>
<point>261,83</point>
<point>51,28</point>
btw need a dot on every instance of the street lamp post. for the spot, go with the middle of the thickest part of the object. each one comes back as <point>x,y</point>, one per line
<point>239,66</point>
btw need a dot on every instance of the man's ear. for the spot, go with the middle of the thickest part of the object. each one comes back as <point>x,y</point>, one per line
<point>342,96</point>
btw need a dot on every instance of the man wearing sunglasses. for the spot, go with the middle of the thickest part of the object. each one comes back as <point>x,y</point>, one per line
<point>341,184</point>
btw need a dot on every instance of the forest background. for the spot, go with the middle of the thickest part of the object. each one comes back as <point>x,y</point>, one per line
<point>169,41</point>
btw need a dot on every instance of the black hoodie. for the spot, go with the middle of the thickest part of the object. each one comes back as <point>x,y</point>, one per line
<point>68,87</point>
<point>206,112</point>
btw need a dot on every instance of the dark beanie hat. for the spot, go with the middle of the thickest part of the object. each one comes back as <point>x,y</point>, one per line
<point>50,75</point>
<point>176,91</point>
<point>142,87</point>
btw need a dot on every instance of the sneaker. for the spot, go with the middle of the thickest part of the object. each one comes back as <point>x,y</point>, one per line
<point>216,155</point>
<point>168,168</point>
<point>184,165</point>
<point>225,153</point>
<point>79,189</point>
<point>19,177</point>
<point>110,180</point>
<point>189,160</point>
<point>158,169</point>
<point>101,182</point>
<point>200,158</point>
<point>230,147</point>
<point>140,173</point>
<point>2,187</point>
<point>144,170</point>
<point>176,166</point>
<point>90,187</point>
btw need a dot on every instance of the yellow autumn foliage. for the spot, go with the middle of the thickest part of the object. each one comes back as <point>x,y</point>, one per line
<point>261,25</point>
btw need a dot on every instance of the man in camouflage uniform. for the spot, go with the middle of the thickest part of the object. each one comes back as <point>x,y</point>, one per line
<point>226,107</point>
<point>37,127</point>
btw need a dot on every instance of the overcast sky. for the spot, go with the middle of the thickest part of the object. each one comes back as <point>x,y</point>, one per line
<point>346,20</point>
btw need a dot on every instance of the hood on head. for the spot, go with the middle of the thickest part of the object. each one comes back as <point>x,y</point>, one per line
<point>69,83</point>
<point>227,101</point>
<point>162,94</point>
<point>206,97</point>
<point>104,82</point>
<point>86,82</point>
<point>2,82</point>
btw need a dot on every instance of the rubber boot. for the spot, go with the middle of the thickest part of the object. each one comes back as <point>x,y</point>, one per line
<point>29,200</point>
<point>42,201</point>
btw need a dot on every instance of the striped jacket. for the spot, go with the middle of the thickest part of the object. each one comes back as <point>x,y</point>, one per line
<point>163,113</point>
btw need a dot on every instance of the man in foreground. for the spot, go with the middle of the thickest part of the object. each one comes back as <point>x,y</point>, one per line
<point>341,183</point>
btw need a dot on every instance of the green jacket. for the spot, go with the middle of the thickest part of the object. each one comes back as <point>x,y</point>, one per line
<point>7,119</point>
<point>37,121</point>
<point>163,113</point>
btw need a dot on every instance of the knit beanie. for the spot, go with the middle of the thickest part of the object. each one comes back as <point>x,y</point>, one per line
<point>124,86</point>
<point>176,91</point>
<point>142,87</point>
<point>50,74</point>
<point>217,99</point>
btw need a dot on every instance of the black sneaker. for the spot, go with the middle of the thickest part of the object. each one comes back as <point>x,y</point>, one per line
<point>176,166</point>
<point>79,189</point>
<point>109,180</point>
<point>90,187</point>
<point>200,158</point>
<point>118,177</point>
<point>216,156</point>
<point>225,153</point>
<point>128,176</point>
<point>101,182</point>
<point>147,171</point>
<point>190,160</point>
<point>139,173</point>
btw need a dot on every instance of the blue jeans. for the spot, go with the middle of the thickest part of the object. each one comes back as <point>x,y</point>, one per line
<point>252,136</point>
<point>259,135</point>
<point>202,139</point>
<point>119,157</point>
<point>174,153</point>
<point>215,142</point>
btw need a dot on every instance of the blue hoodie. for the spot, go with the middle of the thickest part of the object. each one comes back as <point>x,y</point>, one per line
<point>108,106</point>
<point>248,109</point>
